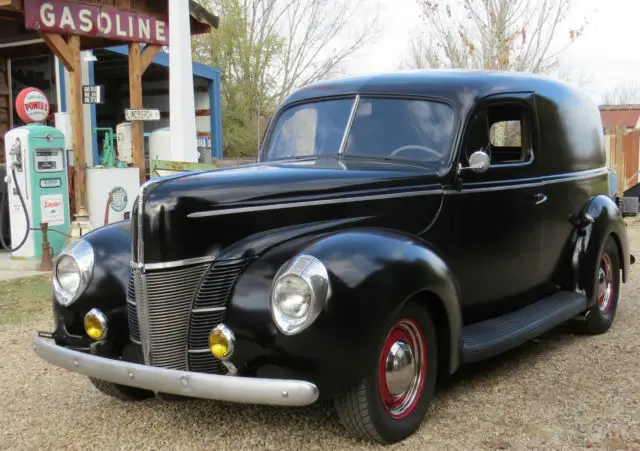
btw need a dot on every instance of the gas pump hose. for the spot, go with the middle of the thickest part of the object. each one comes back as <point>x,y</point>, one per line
<point>26,215</point>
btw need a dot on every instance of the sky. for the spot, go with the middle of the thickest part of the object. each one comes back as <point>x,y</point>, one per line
<point>607,53</point>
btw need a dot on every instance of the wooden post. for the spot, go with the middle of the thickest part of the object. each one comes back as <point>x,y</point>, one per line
<point>138,63</point>
<point>135,101</point>
<point>619,161</point>
<point>69,53</point>
<point>77,119</point>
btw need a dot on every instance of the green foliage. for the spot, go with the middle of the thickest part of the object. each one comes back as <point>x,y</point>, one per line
<point>244,58</point>
<point>24,299</point>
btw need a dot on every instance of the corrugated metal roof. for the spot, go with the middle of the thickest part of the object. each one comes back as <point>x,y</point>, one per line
<point>620,115</point>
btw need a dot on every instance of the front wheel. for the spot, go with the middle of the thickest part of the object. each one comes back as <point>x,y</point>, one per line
<point>599,318</point>
<point>391,401</point>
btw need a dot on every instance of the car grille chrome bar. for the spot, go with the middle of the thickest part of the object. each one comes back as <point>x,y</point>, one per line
<point>209,310</point>
<point>159,317</point>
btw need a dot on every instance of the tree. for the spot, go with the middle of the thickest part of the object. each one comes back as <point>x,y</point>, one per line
<point>624,93</point>
<point>517,35</point>
<point>267,48</point>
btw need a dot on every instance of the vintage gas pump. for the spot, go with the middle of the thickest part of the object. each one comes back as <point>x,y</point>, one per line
<point>37,187</point>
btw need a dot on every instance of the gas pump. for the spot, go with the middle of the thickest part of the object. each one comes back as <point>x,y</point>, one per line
<point>37,189</point>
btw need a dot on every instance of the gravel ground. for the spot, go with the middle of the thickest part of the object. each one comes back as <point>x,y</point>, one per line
<point>560,392</point>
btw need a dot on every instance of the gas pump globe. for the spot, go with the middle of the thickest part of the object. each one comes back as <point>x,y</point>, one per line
<point>37,188</point>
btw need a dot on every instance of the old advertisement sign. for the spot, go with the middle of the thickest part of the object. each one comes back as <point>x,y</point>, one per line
<point>97,21</point>
<point>32,105</point>
<point>141,114</point>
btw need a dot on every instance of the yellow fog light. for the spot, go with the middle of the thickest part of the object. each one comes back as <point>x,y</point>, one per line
<point>221,342</point>
<point>95,324</point>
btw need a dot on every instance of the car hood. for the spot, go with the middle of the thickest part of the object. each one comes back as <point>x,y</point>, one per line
<point>203,213</point>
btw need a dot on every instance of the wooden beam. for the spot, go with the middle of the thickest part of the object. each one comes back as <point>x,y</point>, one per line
<point>15,5</point>
<point>135,101</point>
<point>77,120</point>
<point>147,56</point>
<point>618,163</point>
<point>61,49</point>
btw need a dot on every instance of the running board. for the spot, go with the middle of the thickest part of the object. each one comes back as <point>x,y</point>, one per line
<point>496,335</point>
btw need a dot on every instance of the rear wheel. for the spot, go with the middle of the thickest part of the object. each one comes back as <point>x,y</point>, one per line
<point>121,392</point>
<point>391,401</point>
<point>599,318</point>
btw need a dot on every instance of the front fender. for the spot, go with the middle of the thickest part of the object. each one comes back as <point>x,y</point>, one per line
<point>599,219</point>
<point>372,273</point>
<point>107,287</point>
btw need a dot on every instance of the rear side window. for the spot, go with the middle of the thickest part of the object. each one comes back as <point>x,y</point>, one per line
<point>504,132</point>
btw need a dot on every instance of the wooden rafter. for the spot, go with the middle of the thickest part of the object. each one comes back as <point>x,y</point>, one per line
<point>62,50</point>
<point>147,56</point>
<point>11,4</point>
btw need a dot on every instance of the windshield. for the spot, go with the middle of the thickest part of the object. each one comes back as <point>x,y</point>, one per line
<point>411,129</point>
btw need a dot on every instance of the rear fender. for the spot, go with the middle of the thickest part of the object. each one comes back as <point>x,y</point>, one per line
<point>599,219</point>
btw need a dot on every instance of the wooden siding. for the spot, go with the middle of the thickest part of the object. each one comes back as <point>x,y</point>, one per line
<point>5,104</point>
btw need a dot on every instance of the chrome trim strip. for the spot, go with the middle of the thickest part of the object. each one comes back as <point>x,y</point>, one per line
<point>203,214</point>
<point>199,351</point>
<point>173,263</point>
<point>347,130</point>
<point>140,240</point>
<point>208,309</point>
<point>132,302</point>
<point>493,188</point>
<point>135,341</point>
<point>547,180</point>
<point>578,175</point>
<point>251,390</point>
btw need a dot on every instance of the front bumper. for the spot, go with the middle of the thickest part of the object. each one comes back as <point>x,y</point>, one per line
<point>248,390</point>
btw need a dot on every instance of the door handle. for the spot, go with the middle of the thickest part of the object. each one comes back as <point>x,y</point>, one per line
<point>540,198</point>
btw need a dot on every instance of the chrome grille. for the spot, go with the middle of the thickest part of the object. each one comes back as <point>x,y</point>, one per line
<point>209,310</point>
<point>132,314</point>
<point>163,301</point>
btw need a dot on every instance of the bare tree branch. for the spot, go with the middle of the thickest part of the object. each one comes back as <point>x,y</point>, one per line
<point>520,35</point>
<point>624,93</point>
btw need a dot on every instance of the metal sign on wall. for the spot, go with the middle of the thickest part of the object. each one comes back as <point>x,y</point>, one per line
<point>141,114</point>
<point>95,21</point>
<point>92,94</point>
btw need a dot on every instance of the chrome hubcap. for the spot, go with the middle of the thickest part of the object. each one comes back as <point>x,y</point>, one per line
<point>605,283</point>
<point>400,370</point>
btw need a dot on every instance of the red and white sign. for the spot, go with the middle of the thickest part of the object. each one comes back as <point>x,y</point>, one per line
<point>52,209</point>
<point>96,21</point>
<point>32,105</point>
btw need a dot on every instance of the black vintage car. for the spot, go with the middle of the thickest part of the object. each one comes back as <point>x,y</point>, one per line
<point>394,228</point>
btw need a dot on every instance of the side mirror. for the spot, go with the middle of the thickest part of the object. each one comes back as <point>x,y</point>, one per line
<point>478,162</point>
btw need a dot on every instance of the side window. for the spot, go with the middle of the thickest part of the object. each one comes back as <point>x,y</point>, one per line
<point>503,132</point>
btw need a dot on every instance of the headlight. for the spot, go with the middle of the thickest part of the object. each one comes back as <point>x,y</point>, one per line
<point>72,271</point>
<point>299,294</point>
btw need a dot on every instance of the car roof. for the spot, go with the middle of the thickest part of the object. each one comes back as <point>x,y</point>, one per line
<point>571,136</point>
<point>455,85</point>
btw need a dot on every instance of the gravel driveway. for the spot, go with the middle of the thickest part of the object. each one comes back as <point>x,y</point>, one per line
<point>563,391</point>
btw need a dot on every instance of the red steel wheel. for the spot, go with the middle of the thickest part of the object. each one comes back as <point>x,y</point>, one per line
<point>390,401</point>
<point>402,368</point>
<point>606,291</point>
<point>606,279</point>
